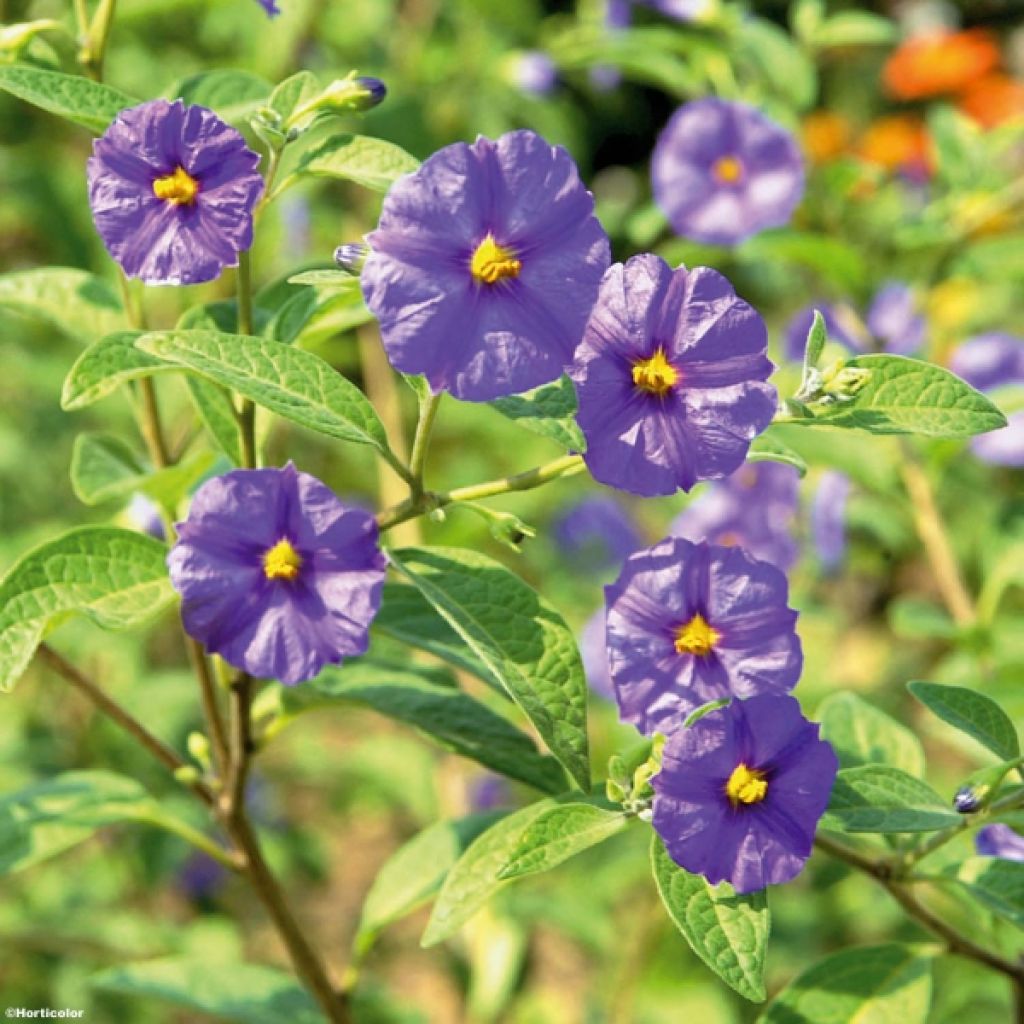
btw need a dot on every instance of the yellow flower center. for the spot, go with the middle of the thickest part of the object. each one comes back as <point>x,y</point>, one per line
<point>746,786</point>
<point>656,375</point>
<point>282,561</point>
<point>179,188</point>
<point>492,262</point>
<point>696,637</point>
<point>727,169</point>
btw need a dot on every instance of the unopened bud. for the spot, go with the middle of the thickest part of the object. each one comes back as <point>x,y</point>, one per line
<point>351,257</point>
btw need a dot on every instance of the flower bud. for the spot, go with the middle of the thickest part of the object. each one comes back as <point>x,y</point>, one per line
<point>351,257</point>
<point>345,95</point>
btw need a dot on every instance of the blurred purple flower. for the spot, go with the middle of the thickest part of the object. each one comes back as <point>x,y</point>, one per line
<point>172,190</point>
<point>692,623</point>
<point>201,876</point>
<point>670,377</point>
<point>594,651</point>
<point>894,319</point>
<point>534,72</point>
<point>276,575</point>
<point>144,515</point>
<point>485,265</point>
<point>988,361</point>
<point>723,171</point>
<point>680,10</point>
<point>489,791</point>
<point>828,519</point>
<point>596,533</point>
<point>999,841</point>
<point>741,791</point>
<point>270,6</point>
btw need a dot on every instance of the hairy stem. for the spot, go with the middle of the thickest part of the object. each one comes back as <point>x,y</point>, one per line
<point>567,465</point>
<point>935,538</point>
<point>163,753</point>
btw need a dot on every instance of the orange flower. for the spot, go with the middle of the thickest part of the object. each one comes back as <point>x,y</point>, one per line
<point>826,135</point>
<point>993,100</point>
<point>940,63</point>
<point>897,143</point>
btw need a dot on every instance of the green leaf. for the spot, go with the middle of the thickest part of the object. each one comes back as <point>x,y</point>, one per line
<point>217,412</point>
<point>855,28</point>
<point>104,366</point>
<point>561,833</point>
<point>888,984</point>
<point>909,396</point>
<point>994,882</point>
<point>240,992</point>
<point>327,280</point>
<point>79,305</point>
<point>443,713</point>
<point>104,468</point>
<point>50,817</point>
<point>233,93</point>
<point>294,92</point>
<point>295,384</point>
<point>372,163</point>
<point>787,70</point>
<point>407,616</point>
<point>474,878</point>
<point>522,640</point>
<point>73,97</point>
<point>972,713</point>
<point>549,411</point>
<point>416,871</point>
<point>816,338</point>
<point>829,258</point>
<point>878,798</point>
<point>860,734</point>
<point>729,932</point>
<point>116,578</point>
<point>768,448</point>
<point>287,322</point>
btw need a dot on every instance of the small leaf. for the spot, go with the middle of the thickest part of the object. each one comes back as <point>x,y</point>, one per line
<point>522,640</point>
<point>861,734</point>
<point>727,931</point>
<point>244,993</point>
<point>293,92</point>
<point>561,833</point>
<point>372,163</point>
<point>908,396</point>
<point>972,713</point>
<point>116,578</point>
<point>295,384</point>
<point>888,984</point>
<point>416,871</point>
<point>855,28</point>
<point>217,412</point>
<point>877,798</point>
<point>233,93</point>
<point>549,411</point>
<point>72,97</point>
<point>104,468</point>
<point>443,713</point>
<point>474,878</point>
<point>816,338</point>
<point>287,322</point>
<point>327,280</point>
<point>104,366</point>
<point>52,816</point>
<point>79,305</point>
<point>768,448</point>
<point>994,882</point>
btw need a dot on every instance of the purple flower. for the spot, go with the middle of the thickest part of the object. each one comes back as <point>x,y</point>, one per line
<point>172,190</point>
<point>893,318</point>
<point>485,265</point>
<point>741,791</point>
<point>752,508</point>
<point>489,791</point>
<point>594,651</point>
<point>999,841</point>
<point>534,73</point>
<point>276,575</point>
<point>681,10</point>
<point>988,361</point>
<point>840,322</point>
<point>270,6</point>
<point>723,171</point>
<point>828,519</point>
<point>144,516</point>
<point>670,378</point>
<point>201,876</point>
<point>596,534</point>
<point>692,623</point>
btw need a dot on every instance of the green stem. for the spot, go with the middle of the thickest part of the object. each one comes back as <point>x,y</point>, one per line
<point>421,442</point>
<point>247,410</point>
<point>81,19</point>
<point>95,46</point>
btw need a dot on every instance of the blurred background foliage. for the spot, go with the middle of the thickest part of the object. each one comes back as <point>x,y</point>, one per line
<point>924,191</point>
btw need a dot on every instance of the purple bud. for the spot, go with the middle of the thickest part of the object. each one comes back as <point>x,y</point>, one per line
<point>351,257</point>
<point>373,90</point>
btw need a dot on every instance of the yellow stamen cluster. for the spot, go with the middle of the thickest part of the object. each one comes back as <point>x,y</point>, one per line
<point>696,637</point>
<point>179,188</point>
<point>746,786</point>
<point>656,375</point>
<point>282,561</point>
<point>727,169</point>
<point>491,262</point>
